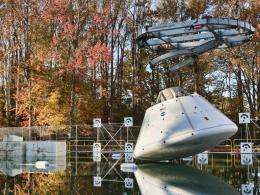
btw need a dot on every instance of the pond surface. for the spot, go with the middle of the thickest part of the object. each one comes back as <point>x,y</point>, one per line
<point>223,174</point>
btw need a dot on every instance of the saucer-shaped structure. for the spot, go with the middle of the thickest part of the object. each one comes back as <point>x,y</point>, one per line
<point>187,39</point>
<point>180,125</point>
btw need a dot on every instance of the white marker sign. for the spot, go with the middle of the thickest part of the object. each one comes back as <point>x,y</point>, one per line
<point>96,152</point>
<point>246,147</point>
<point>128,121</point>
<point>203,158</point>
<point>97,157</point>
<point>129,147</point>
<point>97,122</point>
<point>244,118</point>
<point>246,159</point>
<point>247,189</point>
<point>97,181</point>
<point>129,183</point>
<point>96,147</point>
<point>129,157</point>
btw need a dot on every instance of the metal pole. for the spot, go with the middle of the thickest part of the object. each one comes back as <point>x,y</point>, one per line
<point>246,132</point>
<point>251,154</point>
<point>98,134</point>
<point>98,168</point>
<point>248,172</point>
<point>127,134</point>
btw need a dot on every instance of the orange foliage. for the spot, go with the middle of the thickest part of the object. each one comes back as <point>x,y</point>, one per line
<point>98,53</point>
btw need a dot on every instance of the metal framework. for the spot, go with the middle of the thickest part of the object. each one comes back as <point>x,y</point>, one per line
<point>187,39</point>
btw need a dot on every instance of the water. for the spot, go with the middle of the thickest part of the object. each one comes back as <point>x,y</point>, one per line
<point>223,174</point>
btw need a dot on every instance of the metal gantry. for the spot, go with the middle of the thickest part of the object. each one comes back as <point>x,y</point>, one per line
<point>112,140</point>
<point>103,174</point>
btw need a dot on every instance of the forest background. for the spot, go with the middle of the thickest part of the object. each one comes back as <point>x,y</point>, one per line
<point>65,62</point>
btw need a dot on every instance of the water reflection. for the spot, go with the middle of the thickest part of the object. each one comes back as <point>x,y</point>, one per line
<point>76,176</point>
<point>16,167</point>
<point>169,179</point>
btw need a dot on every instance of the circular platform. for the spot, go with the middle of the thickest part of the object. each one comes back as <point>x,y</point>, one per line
<point>187,39</point>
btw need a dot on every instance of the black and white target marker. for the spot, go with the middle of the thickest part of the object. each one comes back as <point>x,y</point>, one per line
<point>128,121</point>
<point>244,118</point>
<point>97,122</point>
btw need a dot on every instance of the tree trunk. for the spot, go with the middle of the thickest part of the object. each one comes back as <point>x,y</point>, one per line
<point>197,78</point>
<point>72,105</point>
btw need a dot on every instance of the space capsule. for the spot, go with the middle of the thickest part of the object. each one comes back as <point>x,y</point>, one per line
<point>180,125</point>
